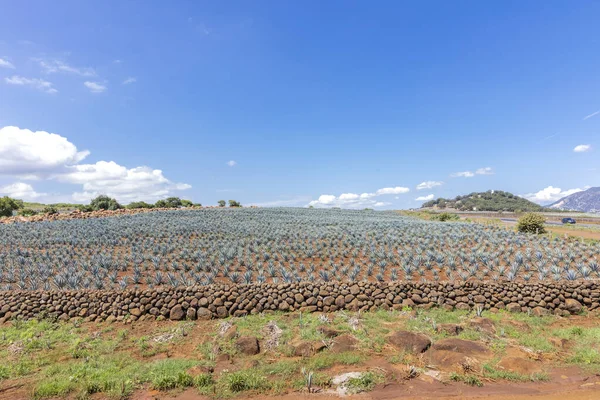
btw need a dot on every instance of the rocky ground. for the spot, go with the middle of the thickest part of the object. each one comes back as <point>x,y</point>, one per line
<point>380,354</point>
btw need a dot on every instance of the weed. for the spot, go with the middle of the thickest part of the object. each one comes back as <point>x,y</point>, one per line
<point>467,379</point>
<point>366,382</point>
<point>249,379</point>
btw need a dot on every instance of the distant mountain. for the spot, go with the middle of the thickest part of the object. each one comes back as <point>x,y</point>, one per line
<point>586,201</point>
<point>492,200</point>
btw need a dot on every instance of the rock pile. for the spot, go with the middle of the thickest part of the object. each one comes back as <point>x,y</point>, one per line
<point>220,301</point>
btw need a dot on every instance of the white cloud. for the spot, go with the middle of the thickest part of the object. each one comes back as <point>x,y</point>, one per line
<point>114,180</point>
<point>20,190</point>
<point>95,87</point>
<point>381,204</point>
<point>425,198</point>
<point>429,185</point>
<point>582,148</point>
<point>470,174</point>
<point>484,171</point>
<point>6,64</point>
<point>349,196</point>
<point>591,115</point>
<point>392,190</point>
<point>24,152</point>
<point>550,194</point>
<point>129,80</point>
<point>54,66</point>
<point>355,200</point>
<point>231,163</point>
<point>464,174</point>
<point>43,155</point>
<point>35,83</point>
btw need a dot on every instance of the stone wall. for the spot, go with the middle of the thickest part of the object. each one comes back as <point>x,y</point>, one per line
<point>220,301</point>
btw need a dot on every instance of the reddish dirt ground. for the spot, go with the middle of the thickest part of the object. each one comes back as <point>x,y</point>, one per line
<point>565,384</point>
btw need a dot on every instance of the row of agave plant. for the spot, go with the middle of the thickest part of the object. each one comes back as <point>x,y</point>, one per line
<point>200,247</point>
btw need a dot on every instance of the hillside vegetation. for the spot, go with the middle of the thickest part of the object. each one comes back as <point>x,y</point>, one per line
<point>492,200</point>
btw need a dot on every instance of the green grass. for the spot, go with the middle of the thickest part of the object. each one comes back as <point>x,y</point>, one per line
<point>244,380</point>
<point>365,383</point>
<point>467,379</point>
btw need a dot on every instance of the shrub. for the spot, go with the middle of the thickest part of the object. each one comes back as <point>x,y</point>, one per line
<point>104,202</point>
<point>443,217</point>
<point>186,203</point>
<point>27,212</point>
<point>138,204</point>
<point>531,223</point>
<point>221,203</point>
<point>50,210</point>
<point>233,203</point>
<point>171,202</point>
<point>8,205</point>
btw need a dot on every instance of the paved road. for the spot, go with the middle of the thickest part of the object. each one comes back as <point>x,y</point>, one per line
<point>514,221</point>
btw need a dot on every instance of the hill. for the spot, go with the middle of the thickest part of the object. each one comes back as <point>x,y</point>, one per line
<point>492,200</point>
<point>586,201</point>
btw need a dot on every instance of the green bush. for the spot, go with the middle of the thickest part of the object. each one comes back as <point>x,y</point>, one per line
<point>8,205</point>
<point>171,202</point>
<point>50,210</point>
<point>138,204</point>
<point>445,216</point>
<point>104,202</point>
<point>221,203</point>
<point>531,223</point>
<point>233,203</point>
<point>27,212</point>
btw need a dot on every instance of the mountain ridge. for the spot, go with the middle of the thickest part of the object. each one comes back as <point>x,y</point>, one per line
<point>584,201</point>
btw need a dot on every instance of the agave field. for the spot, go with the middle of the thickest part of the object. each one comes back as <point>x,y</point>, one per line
<point>200,247</point>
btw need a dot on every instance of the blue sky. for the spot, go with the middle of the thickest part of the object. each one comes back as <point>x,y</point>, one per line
<point>341,103</point>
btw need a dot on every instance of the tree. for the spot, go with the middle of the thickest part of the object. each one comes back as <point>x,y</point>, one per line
<point>531,223</point>
<point>233,203</point>
<point>104,202</point>
<point>8,205</point>
<point>173,202</point>
<point>186,203</point>
<point>221,203</point>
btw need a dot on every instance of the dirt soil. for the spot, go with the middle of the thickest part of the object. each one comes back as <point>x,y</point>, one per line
<point>566,384</point>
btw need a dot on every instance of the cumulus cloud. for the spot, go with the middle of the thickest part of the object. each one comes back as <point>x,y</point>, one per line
<point>470,174</point>
<point>425,198</point>
<point>95,87</point>
<point>6,64</point>
<point>43,155</point>
<point>20,190</point>
<point>231,163</point>
<point>38,84</point>
<point>54,66</point>
<point>355,200</point>
<point>550,194</point>
<point>24,152</point>
<point>582,148</point>
<point>429,185</point>
<point>129,80</point>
